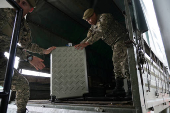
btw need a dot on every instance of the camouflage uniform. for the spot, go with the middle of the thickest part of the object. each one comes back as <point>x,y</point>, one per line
<point>19,82</point>
<point>114,34</point>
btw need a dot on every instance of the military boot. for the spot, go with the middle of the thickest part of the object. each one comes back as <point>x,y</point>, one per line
<point>129,91</point>
<point>119,91</point>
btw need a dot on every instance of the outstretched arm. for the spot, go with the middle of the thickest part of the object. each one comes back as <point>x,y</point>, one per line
<point>81,45</point>
<point>47,51</point>
<point>38,62</point>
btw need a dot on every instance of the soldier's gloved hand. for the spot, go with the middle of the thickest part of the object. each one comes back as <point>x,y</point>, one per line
<point>47,51</point>
<point>37,63</point>
<point>81,45</point>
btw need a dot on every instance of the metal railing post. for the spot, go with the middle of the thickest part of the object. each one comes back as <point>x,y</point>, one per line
<point>10,65</point>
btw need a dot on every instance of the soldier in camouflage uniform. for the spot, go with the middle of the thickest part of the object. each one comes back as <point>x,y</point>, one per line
<point>105,27</point>
<point>19,82</point>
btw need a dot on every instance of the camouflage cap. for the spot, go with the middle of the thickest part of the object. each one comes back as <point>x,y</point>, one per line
<point>88,13</point>
<point>32,3</point>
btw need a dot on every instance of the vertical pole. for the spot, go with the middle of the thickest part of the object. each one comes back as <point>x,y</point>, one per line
<point>9,71</point>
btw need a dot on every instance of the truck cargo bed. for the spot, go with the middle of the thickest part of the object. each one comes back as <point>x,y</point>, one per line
<point>75,106</point>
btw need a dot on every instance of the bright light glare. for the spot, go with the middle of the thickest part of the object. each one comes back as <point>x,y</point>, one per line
<point>19,44</point>
<point>34,73</point>
<point>153,38</point>
<point>27,72</point>
<point>16,62</point>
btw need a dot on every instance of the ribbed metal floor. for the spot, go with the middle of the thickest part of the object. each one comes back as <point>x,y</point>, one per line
<point>45,106</point>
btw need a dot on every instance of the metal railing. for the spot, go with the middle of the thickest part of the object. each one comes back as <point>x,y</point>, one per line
<point>10,65</point>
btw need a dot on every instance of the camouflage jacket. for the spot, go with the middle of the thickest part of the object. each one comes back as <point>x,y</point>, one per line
<point>107,29</point>
<point>7,17</point>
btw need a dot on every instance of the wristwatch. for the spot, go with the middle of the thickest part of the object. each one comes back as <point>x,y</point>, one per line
<point>29,58</point>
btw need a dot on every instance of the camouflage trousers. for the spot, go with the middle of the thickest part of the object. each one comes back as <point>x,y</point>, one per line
<point>19,84</point>
<point>120,60</point>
